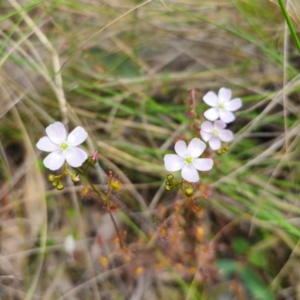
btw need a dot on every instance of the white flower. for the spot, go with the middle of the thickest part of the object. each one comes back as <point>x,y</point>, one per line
<point>187,160</point>
<point>63,147</point>
<point>215,133</point>
<point>222,106</point>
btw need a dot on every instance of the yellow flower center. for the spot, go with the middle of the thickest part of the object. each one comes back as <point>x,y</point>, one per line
<point>188,160</point>
<point>215,132</point>
<point>63,146</point>
<point>221,106</point>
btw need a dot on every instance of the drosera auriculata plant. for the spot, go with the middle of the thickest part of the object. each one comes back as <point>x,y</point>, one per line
<point>185,226</point>
<point>186,157</point>
<point>189,206</point>
<point>64,152</point>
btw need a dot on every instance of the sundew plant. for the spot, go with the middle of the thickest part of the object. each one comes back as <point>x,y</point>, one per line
<point>149,149</point>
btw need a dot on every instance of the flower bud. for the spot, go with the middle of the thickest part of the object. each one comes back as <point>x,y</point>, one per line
<point>95,156</point>
<point>168,187</point>
<point>55,183</point>
<point>75,177</point>
<point>189,191</point>
<point>93,159</point>
<point>51,177</point>
<point>219,152</point>
<point>170,177</point>
<point>225,148</point>
<point>59,186</point>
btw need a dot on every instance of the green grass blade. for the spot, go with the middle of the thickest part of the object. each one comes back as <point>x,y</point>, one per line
<point>290,24</point>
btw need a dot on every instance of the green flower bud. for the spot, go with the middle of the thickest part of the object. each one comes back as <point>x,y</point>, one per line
<point>189,191</point>
<point>59,186</point>
<point>168,187</point>
<point>75,177</point>
<point>170,177</point>
<point>55,183</point>
<point>51,177</point>
<point>225,148</point>
<point>219,152</point>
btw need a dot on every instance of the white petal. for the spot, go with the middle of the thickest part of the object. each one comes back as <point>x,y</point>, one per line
<point>226,116</point>
<point>205,135</point>
<point>173,162</point>
<point>224,95</point>
<point>181,149</point>
<point>207,126</point>
<point>212,114</point>
<point>75,156</point>
<point>69,244</point>
<point>203,164</point>
<point>45,144</point>
<point>226,135</point>
<point>196,147</point>
<point>57,133</point>
<point>189,173</point>
<point>77,137</point>
<point>234,104</point>
<point>211,99</point>
<point>54,160</point>
<point>219,125</point>
<point>215,143</point>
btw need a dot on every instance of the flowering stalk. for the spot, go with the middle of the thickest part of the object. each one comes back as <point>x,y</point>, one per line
<point>187,158</point>
<point>64,150</point>
<point>105,198</point>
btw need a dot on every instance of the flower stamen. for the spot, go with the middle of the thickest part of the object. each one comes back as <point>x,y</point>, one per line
<point>63,146</point>
<point>189,160</point>
<point>215,132</point>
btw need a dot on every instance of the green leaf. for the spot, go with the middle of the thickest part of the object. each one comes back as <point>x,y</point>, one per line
<point>257,258</point>
<point>254,284</point>
<point>240,245</point>
<point>227,266</point>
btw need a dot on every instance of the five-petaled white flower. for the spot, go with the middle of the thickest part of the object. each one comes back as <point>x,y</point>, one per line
<point>215,133</point>
<point>222,106</point>
<point>63,147</point>
<point>187,160</point>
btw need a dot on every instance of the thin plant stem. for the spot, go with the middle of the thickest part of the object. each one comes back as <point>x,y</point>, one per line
<point>105,198</point>
<point>117,230</point>
<point>82,172</point>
